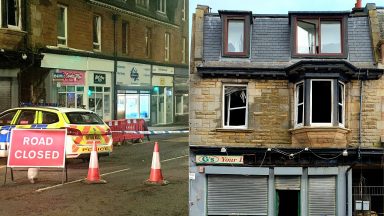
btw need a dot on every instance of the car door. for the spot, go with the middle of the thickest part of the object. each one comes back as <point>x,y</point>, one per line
<point>26,119</point>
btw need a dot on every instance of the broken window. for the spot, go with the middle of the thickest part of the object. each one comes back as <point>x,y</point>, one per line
<point>11,14</point>
<point>322,95</point>
<point>235,106</point>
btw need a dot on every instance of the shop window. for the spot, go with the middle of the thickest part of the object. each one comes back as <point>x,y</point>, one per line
<point>236,35</point>
<point>235,106</point>
<point>162,6</point>
<point>319,36</point>
<point>125,37</point>
<point>181,104</point>
<point>62,25</point>
<point>71,96</point>
<point>166,47</point>
<point>99,100</point>
<point>96,33</point>
<point>322,94</point>
<point>11,15</point>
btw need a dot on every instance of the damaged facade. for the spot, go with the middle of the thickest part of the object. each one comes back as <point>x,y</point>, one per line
<point>120,58</point>
<point>287,114</point>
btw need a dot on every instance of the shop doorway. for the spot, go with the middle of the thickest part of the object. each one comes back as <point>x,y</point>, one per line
<point>288,202</point>
<point>162,105</point>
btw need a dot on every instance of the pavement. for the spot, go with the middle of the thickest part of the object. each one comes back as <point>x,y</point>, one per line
<point>168,127</point>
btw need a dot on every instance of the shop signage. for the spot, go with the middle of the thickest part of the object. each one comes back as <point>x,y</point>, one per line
<point>219,159</point>
<point>133,74</point>
<point>162,81</point>
<point>37,148</point>
<point>99,78</point>
<point>163,70</point>
<point>69,77</point>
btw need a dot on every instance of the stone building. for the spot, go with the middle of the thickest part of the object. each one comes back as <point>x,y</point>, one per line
<point>120,58</point>
<point>287,113</point>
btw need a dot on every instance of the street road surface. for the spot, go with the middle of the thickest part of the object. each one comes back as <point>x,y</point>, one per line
<point>124,194</point>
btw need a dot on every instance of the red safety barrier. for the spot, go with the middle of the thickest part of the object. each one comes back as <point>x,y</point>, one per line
<point>119,128</point>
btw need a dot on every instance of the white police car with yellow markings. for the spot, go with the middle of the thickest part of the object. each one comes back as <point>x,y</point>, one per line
<point>84,128</point>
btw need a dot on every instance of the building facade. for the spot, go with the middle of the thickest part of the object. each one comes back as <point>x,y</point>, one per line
<point>287,114</point>
<point>121,59</point>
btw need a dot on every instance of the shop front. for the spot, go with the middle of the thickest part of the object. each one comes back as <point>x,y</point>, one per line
<point>133,83</point>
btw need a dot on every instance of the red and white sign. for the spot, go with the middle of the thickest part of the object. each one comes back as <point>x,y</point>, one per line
<point>37,148</point>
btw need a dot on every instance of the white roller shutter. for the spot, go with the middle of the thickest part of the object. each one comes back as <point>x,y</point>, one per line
<point>237,195</point>
<point>5,92</point>
<point>322,195</point>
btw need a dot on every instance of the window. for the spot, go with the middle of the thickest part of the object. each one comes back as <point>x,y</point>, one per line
<point>183,11</point>
<point>162,6</point>
<point>322,95</point>
<point>96,33</point>
<point>319,36</point>
<point>26,117</point>
<point>183,50</point>
<point>6,118</point>
<point>181,105</point>
<point>166,47</point>
<point>49,118</point>
<point>62,25</point>
<point>235,106</point>
<point>125,37</point>
<point>148,42</point>
<point>236,34</point>
<point>11,15</point>
<point>71,96</point>
<point>99,100</point>
<point>142,3</point>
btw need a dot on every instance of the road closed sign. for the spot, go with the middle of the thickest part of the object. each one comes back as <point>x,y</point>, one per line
<point>37,148</point>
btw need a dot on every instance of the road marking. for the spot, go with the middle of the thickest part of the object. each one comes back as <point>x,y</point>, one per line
<point>58,185</point>
<point>174,158</point>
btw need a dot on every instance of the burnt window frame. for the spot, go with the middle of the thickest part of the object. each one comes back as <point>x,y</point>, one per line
<point>308,99</point>
<point>225,124</point>
<point>343,36</point>
<point>246,34</point>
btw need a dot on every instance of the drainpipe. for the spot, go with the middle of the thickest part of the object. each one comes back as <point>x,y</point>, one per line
<point>114,18</point>
<point>360,117</point>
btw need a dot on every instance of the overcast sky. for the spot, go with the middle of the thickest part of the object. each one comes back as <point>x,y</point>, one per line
<point>280,6</point>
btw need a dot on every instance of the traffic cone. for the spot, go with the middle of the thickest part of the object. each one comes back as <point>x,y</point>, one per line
<point>93,171</point>
<point>156,177</point>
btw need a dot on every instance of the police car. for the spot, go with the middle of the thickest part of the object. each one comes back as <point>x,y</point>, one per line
<point>84,128</point>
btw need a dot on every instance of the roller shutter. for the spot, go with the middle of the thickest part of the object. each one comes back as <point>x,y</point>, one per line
<point>322,195</point>
<point>237,195</point>
<point>287,182</point>
<point>5,92</point>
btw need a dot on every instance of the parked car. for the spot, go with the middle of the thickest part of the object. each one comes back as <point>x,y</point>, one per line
<point>84,127</point>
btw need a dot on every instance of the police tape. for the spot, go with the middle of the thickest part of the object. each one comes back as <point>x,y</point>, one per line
<point>152,132</point>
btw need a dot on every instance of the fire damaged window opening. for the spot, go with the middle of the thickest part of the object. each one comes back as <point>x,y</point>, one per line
<point>325,100</point>
<point>235,106</point>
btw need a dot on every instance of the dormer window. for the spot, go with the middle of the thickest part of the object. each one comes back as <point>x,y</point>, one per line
<point>236,33</point>
<point>319,37</point>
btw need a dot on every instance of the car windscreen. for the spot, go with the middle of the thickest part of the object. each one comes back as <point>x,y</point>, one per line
<point>83,118</point>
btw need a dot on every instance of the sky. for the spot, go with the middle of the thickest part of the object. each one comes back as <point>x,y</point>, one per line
<point>279,6</point>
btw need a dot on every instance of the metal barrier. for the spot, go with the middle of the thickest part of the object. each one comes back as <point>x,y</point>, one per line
<point>119,126</point>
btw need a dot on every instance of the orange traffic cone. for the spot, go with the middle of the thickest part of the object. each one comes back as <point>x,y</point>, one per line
<point>93,171</point>
<point>156,177</point>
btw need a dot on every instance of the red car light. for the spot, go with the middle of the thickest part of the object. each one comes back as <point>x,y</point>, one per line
<point>74,132</point>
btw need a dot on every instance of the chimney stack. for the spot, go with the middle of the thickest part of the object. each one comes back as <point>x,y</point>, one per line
<point>358,4</point>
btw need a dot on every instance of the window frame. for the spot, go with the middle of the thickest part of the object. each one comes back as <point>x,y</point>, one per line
<point>225,124</point>
<point>183,50</point>
<point>142,3</point>
<point>246,35</point>
<point>125,38</point>
<point>147,38</point>
<point>330,124</point>
<point>96,44</point>
<point>297,104</point>
<point>318,53</point>
<point>342,123</point>
<point>167,38</point>
<point>162,6</point>
<point>183,11</point>
<point>18,17</point>
<point>65,38</point>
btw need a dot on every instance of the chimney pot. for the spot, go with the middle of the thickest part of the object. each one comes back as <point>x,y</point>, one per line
<point>358,4</point>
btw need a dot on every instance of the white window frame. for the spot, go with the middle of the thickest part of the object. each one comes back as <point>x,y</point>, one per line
<point>297,104</point>
<point>142,3</point>
<point>167,37</point>
<point>148,42</point>
<point>225,124</point>
<point>182,97</point>
<point>330,124</point>
<point>65,38</point>
<point>183,50</point>
<point>162,6</point>
<point>183,11</point>
<point>342,104</point>
<point>17,17</point>
<point>96,44</point>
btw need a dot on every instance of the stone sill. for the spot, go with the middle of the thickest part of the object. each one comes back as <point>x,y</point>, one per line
<point>320,137</point>
<point>12,31</point>
<point>234,130</point>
